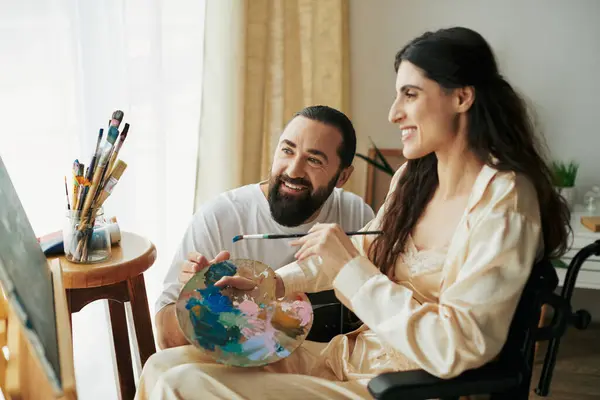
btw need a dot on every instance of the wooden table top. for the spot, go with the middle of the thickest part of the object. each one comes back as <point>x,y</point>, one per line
<point>134,255</point>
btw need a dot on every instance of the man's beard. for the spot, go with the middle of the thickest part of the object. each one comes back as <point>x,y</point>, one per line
<point>293,210</point>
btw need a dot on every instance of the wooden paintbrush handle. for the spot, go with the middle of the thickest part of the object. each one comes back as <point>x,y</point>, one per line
<point>111,182</point>
<point>89,198</point>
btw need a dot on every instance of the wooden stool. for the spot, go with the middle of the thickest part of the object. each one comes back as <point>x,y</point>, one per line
<point>118,280</point>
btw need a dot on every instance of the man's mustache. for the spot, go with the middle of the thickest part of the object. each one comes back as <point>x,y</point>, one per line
<point>294,181</point>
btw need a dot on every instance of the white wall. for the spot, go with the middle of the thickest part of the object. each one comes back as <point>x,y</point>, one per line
<point>548,49</point>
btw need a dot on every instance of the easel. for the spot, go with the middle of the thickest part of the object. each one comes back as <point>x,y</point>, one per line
<point>22,375</point>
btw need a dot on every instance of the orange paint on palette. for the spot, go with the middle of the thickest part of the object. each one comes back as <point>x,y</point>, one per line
<point>285,319</point>
<point>196,310</point>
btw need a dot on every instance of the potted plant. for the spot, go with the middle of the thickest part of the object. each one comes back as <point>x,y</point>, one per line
<point>564,175</point>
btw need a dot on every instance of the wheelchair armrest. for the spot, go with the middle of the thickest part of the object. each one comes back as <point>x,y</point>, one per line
<point>418,384</point>
<point>562,313</point>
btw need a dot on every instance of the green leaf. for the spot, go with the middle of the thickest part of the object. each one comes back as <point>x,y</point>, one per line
<point>377,165</point>
<point>382,158</point>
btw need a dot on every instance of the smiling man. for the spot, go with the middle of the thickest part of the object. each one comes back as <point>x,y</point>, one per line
<point>312,161</point>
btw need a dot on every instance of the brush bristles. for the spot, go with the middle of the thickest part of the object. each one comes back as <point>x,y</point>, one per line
<point>237,238</point>
<point>113,134</point>
<point>118,115</point>
<point>123,136</point>
<point>119,168</point>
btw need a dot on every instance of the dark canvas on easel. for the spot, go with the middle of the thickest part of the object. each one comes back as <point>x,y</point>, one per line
<point>25,274</point>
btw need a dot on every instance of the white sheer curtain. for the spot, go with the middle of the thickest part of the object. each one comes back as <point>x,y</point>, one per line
<point>65,66</point>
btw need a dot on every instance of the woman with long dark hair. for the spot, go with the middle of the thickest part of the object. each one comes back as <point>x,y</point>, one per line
<point>465,219</point>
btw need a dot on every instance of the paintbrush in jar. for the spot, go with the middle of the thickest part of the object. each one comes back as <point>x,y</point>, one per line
<point>75,183</point>
<point>99,172</point>
<point>90,172</point>
<point>115,154</point>
<point>111,182</point>
<point>67,194</point>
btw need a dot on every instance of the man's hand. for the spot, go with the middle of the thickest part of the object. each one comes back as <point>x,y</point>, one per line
<point>196,262</point>
<point>167,327</point>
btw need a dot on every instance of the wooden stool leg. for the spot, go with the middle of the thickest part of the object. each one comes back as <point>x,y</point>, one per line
<point>122,350</point>
<point>141,317</point>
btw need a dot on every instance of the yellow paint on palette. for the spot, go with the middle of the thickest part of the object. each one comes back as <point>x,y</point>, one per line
<point>196,310</point>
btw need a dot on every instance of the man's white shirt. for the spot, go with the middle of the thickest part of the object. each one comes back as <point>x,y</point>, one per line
<point>243,211</point>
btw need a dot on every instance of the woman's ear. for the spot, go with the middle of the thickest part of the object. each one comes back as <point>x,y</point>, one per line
<point>465,97</point>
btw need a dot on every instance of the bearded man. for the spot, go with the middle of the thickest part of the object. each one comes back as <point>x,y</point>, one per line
<point>312,161</point>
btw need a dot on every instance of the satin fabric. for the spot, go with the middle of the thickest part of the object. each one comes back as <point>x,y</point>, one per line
<point>444,310</point>
<point>450,320</point>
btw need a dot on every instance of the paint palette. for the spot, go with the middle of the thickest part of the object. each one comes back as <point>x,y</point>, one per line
<point>239,327</point>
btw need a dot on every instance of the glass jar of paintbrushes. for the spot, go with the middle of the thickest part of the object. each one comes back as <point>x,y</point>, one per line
<point>86,234</point>
<point>86,238</point>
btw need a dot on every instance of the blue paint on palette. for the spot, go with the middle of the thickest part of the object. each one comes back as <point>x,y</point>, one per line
<point>217,271</point>
<point>208,330</point>
<point>215,301</point>
<point>204,312</point>
<point>282,351</point>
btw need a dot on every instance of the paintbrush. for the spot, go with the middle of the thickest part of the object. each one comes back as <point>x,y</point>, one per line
<point>67,193</point>
<point>116,119</point>
<point>118,146</point>
<point>80,170</point>
<point>111,182</point>
<point>295,235</point>
<point>79,175</point>
<point>111,138</point>
<point>100,170</point>
<point>78,201</point>
<point>90,172</point>
<point>75,183</point>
